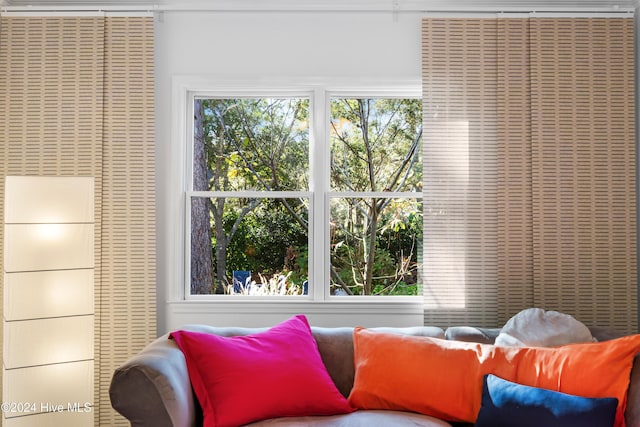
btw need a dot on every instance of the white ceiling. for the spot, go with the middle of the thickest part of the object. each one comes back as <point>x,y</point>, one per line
<point>453,5</point>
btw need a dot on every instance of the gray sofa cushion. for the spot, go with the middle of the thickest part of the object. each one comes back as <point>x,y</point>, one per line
<point>358,419</point>
<point>472,334</point>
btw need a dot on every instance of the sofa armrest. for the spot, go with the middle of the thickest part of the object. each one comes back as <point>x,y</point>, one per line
<point>632,412</point>
<point>152,388</point>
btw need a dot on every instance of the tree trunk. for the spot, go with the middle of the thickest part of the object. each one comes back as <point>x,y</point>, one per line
<point>373,219</point>
<point>201,250</point>
<point>220,183</point>
<point>371,252</point>
<point>221,247</point>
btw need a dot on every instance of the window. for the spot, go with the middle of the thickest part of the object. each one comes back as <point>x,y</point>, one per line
<point>250,217</point>
<point>288,191</point>
<point>376,182</point>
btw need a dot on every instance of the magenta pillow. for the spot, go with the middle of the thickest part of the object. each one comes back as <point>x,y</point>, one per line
<point>276,373</point>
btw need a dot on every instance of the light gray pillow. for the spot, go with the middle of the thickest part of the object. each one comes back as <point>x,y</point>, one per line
<point>535,327</point>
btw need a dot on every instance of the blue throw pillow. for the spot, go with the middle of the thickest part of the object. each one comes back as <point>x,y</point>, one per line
<point>507,404</point>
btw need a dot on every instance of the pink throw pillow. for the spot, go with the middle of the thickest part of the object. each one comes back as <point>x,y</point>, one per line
<point>276,373</point>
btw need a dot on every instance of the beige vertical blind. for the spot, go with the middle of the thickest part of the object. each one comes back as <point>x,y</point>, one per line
<point>460,125</point>
<point>515,231</point>
<point>128,302</point>
<point>583,161</point>
<point>51,96</point>
<point>561,130</point>
<point>76,98</point>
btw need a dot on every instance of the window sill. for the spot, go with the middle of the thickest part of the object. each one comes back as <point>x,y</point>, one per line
<point>367,312</point>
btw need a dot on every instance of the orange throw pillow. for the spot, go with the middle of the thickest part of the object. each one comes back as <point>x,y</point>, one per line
<point>443,378</point>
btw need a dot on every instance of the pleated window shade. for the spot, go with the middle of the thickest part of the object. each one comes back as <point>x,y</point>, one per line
<point>77,98</point>
<point>530,169</point>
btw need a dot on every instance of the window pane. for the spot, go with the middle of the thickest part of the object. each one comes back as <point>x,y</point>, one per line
<point>376,246</point>
<point>375,144</point>
<point>261,243</point>
<point>251,144</point>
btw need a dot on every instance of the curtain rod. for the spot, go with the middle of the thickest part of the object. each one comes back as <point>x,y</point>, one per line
<point>395,7</point>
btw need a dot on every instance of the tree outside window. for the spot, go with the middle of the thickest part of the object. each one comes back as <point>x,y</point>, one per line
<point>375,238</point>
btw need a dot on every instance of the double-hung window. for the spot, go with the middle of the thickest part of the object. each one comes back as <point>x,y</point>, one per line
<point>308,193</point>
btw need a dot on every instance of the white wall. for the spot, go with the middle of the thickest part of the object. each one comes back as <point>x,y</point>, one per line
<point>314,45</point>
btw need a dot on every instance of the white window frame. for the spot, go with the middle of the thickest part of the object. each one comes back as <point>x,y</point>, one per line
<point>184,91</point>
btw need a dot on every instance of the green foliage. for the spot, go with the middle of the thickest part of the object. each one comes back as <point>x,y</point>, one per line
<point>402,228</point>
<point>396,249</point>
<point>374,144</point>
<point>256,144</point>
<point>259,144</point>
<point>266,239</point>
<point>300,271</point>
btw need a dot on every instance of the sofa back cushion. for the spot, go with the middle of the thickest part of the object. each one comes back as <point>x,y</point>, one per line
<point>336,349</point>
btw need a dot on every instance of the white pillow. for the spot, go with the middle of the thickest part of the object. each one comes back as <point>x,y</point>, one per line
<point>535,327</point>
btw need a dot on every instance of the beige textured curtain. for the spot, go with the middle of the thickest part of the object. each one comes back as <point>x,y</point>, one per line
<point>560,126</point>
<point>76,98</point>
<point>128,294</point>
<point>460,124</point>
<point>515,209</point>
<point>583,158</point>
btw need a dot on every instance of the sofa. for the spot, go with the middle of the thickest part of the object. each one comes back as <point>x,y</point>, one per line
<point>152,388</point>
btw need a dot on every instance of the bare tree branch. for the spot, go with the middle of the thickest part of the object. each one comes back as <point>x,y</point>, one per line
<point>241,153</point>
<point>340,282</point>
<point>248,208</point>
<point>413,150</point>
